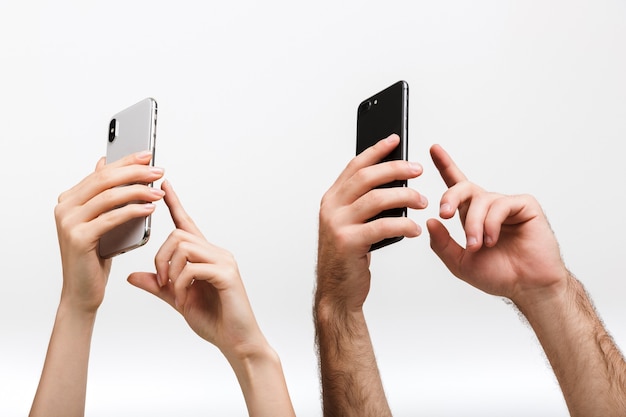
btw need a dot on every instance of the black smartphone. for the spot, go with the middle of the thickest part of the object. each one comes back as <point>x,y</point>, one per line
<point>131,130</point>
<point>379,116</point>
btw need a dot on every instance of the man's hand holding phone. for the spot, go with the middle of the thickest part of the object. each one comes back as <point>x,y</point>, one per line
<point>350,381</point>
<point>346,235</point>
<point>383,114</point>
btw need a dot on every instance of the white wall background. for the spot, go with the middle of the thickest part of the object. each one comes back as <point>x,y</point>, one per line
<point>257,109</point>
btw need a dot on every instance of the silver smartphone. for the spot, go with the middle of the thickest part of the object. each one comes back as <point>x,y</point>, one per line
<point>131,130</point>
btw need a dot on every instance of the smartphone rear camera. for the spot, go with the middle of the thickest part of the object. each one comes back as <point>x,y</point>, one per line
<point>112,130</point>
<point>365,106</point>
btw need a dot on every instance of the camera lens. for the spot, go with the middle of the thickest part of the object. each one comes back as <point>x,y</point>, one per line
<point>112,130</point>
<point>365,106</point>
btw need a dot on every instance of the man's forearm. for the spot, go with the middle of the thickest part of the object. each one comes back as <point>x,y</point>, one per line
<point>351,384</point>
<point>588,365</point>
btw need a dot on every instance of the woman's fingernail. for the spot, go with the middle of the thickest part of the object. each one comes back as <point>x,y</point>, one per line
<point>445,208</point>
<point>145,154</point>
<point>471,241</point>
<point>159,280</point>
<point>157,191</point>
<point>157,170</point>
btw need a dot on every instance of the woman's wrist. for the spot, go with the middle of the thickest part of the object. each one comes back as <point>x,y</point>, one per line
<point>76,302</point>
<point>250,354</point>
<point>76,312</point>
<point>260,375</point>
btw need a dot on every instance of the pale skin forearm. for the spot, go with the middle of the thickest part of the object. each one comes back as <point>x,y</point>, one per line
<point>588,365</point>
<point>262,382</point>
<point>351,384</point>
<point>63,384</point>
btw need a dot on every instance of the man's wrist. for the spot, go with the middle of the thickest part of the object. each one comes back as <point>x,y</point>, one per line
<point>561,309</point>
<point>340,292</point>
<point>333,309</point>
<point>558,294</point>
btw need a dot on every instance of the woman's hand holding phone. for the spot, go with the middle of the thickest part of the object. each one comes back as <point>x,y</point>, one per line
<point>83,214</point>
<point>90,209</point>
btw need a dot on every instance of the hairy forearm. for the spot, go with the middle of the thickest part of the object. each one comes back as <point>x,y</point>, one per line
<point>588,365</point>
<point>262,382</point>
<point>351,384</point>
<point>63,384</point>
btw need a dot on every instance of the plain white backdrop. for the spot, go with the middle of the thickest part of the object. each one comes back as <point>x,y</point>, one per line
<point>257,117</point>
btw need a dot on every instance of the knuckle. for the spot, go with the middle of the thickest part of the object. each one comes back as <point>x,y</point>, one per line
<point>63,226</point>
<point>179,285</point>
<point>327,213</point>
<point>355,163</point>
<point>59,213</point>
<point>185,246</point>
<point>62,197</point>
<point>361,176</point>
<point>107,198</point>
<point>531,199</point>
<point>342,239</point>
<point>101,176</point>
<point>229,256</point>
<point>75,236</point>
<point>177,235</point>
<point>381,226</point>
<point>326,199</point>
<point>232,270</point>
<point>375,198</point>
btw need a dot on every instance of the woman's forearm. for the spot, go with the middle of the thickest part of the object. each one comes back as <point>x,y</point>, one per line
<point>262,382</point>
<point>63,384</point>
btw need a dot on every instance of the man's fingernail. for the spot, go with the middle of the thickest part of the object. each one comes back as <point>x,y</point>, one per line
<point>415,166</point>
